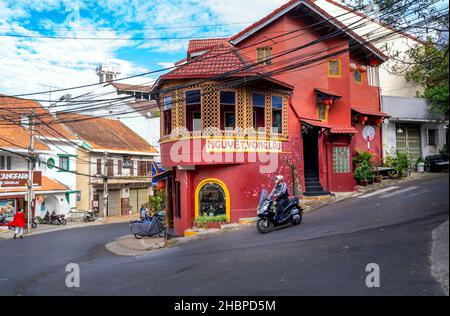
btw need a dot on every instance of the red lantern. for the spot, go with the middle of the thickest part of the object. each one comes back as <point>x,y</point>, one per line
<point>362,120</point>
<point>362,68</point>
<point>374,62</point>
<point>161,185</point>
<point>378,122</point>
<point>328,101</point>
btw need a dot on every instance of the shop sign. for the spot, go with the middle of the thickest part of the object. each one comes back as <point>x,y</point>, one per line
<point>243,145</point>
<point>18,178</point>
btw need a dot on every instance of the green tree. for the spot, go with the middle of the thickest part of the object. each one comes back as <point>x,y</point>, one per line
<point>430,70</point>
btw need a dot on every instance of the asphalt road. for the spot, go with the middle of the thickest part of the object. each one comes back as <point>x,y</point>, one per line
<point>326,255</point>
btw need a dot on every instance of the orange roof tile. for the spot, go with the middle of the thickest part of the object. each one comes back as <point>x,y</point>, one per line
<point>47,185</point>
<point>104,133</point>
<point>204,44</point>
<point>343,130</point>
<point>13,109</point>
<point>221,59</point>
<point>369,112</point>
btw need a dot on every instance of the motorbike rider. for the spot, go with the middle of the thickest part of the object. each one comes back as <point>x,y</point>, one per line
<point>280,194</point>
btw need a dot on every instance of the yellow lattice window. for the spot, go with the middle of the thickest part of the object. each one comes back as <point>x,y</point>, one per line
<point>334,68</point>
<point>265,55</point>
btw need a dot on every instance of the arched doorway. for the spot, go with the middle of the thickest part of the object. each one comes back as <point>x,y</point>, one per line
<point>212,198</point>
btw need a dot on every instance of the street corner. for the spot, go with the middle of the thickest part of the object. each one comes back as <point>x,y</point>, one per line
<point>129,245</point>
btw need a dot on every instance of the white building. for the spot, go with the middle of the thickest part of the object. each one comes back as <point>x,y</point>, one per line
<point>53,191</point>
<point>131,104</point>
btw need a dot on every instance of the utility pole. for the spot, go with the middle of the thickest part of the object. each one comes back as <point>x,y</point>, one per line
<point>31,163</point>
<point>105,187</point>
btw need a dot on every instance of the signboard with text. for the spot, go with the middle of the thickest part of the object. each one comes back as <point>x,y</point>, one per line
<point>13,179</point>
<point>243,145</point>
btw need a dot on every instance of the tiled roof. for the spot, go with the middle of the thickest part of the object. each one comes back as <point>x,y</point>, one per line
<point>204,44</point>
<point>105,134</point>
<point>334,129</point>
<point>13,109</point>
<point>131,87</point>
<point>221,59</point>
<point>144,106</point>
<point>17,137</point>
<point>369,112</point>
<point>343,130</point>
<point>47,185</point>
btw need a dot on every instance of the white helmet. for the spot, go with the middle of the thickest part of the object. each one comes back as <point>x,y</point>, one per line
<point>279,177</point>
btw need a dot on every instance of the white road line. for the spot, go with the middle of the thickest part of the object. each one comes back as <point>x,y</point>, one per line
<point>399,192</point>
<point>378,192</point>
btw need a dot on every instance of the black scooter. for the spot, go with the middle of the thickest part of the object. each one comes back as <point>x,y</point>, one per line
<point>89,216</point>
<point>54,219</point>
<point>268,218</point>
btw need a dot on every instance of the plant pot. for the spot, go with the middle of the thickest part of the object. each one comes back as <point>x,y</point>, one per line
<point>364,183</point>
<point>215,225</point>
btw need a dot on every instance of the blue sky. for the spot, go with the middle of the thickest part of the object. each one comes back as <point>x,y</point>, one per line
<point>33,62</point>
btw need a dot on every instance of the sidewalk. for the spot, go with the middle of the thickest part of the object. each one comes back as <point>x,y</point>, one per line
<point>5,233</point>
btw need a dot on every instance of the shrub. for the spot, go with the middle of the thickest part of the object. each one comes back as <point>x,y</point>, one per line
<point>158,201</point>
<point>202,221</point>
<point>364,166</point>
<point>400,163</point>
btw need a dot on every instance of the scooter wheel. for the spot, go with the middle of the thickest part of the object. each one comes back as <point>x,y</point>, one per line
<point>138,236</point>
<point>264,226</point>
<point>297,219</point>
<point>63,222</point>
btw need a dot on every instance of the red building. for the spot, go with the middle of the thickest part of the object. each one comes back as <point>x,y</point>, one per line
<point>292,94</point>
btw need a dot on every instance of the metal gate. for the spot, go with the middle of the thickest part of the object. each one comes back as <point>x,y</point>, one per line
<point>408,140</point>
<point>143,197</point>
<point>114,206</point>
<point>134,200</point>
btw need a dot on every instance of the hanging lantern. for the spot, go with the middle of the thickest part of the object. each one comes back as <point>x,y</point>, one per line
<point>353,67</point>
<point>161,185</point>
<point>328,101</point>
<point>379,122</point>
<point>362,120</point>
<point>374,62</point>
<point>362,68</point>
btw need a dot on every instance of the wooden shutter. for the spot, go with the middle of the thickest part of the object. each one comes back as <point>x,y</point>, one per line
<point>119,167</point>
<point>99,166</point>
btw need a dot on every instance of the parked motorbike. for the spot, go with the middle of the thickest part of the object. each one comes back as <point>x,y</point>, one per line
<point>89,216</point>
<point>54,219</point>
<point>267,214</point>
<point>149,226</point>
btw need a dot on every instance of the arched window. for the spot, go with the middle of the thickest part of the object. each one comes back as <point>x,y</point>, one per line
<point>212,200</point>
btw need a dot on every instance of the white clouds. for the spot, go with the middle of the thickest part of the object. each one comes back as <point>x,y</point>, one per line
<point>25,63</point>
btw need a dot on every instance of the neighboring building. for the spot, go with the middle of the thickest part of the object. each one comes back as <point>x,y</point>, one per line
<point>413,128</point>
<point>424,133</point>
<point>54,191</point>
<point>138,111</point>
<point>109,144</point>
<point>304,123</point>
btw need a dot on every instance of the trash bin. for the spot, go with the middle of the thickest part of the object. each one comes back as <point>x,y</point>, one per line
<point>421,167</point>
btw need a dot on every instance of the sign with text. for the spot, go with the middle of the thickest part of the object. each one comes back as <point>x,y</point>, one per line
<point>12,179</point>
<point>243,145</point>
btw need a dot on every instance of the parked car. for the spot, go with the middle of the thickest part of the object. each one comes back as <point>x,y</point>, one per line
<point>436,163</point>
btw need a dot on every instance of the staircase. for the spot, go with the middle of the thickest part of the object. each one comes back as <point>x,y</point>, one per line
<point>313,186</point>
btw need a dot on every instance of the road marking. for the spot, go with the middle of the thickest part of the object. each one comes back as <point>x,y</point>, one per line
<point>399,192</point>
<point>378,192</point>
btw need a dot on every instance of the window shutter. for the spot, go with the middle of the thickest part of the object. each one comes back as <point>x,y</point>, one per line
<point>119,167</point>
<point>99,166</point>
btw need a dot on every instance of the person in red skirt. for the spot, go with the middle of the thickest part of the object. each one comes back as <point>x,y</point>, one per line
<point>18,222</point>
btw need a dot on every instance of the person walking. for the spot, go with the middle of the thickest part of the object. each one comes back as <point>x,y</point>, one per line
<point>18,222</point>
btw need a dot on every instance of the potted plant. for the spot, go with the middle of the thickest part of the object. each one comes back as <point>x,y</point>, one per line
<point>363,172</point>
<point>206,221</point>
<point>420,165</point>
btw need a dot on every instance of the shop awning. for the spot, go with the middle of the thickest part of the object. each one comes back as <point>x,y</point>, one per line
<point>343,130</point>
<point>161,175</point>
<point>369,112</point>
<point>327,93</point>
<point>315,123</point>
